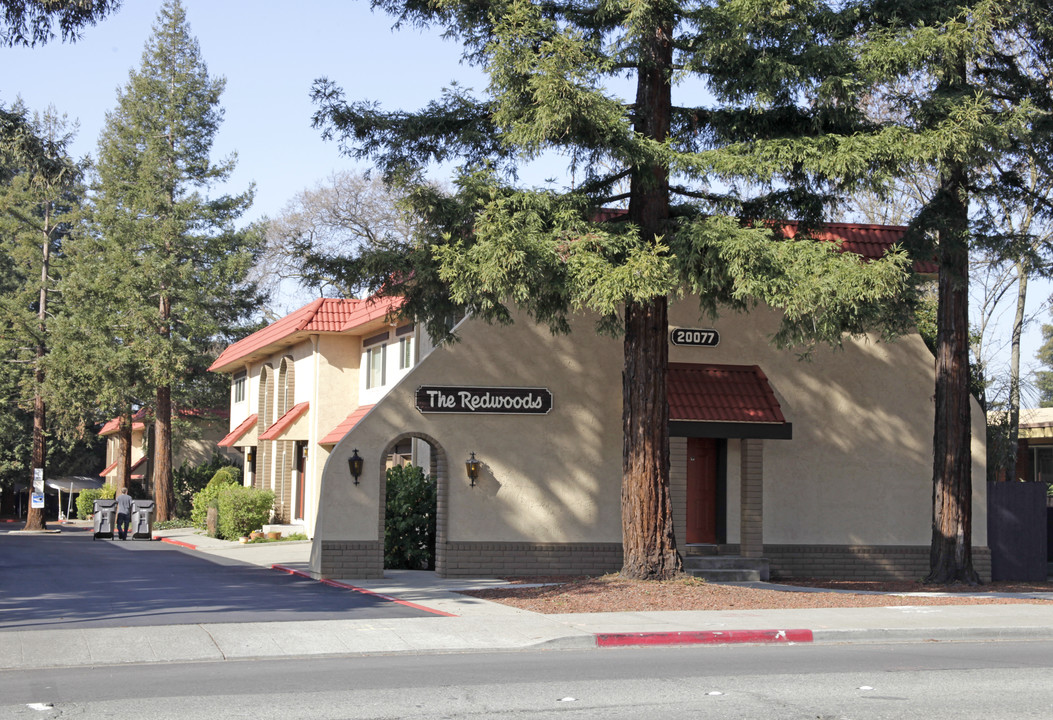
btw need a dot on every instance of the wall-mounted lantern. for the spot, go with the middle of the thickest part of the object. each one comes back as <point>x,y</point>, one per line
<point>354,464</point>
<point>472,466</point>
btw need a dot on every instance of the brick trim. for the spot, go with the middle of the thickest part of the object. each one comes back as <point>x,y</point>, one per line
<point>525,559</point>
<point>858,562</point>
<point>351,559</point>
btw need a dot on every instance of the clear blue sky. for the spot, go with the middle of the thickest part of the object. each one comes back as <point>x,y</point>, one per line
<point>270,52</point>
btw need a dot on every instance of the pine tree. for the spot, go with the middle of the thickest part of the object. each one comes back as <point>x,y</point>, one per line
<point>676,171</point>
<point>38,209</point>
<point>970,81</point>
<point>182,262</point>
<point>32,22</point>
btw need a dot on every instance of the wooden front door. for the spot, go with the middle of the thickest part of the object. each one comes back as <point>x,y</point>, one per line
<point>701,490</point>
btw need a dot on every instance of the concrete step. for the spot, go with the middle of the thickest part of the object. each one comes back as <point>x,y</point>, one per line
<point>285,530</point>
<point>696,550</point>
<point>726,568</point>
<point>719,575</point>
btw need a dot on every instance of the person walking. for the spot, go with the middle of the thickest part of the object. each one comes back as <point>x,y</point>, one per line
<point>124,513</point>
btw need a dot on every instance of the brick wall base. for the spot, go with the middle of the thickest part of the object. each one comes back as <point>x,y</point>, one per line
<point>464,559</point>
<point>350,560</point>
<point>859,562</point>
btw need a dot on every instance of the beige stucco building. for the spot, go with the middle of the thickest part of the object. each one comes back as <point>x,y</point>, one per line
<point>821,466</point>
<point>194,442</point>
<point>300,383</point>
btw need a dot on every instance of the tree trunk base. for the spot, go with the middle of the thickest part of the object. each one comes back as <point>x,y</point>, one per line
<point>666,568</point>
<point>952,576</point>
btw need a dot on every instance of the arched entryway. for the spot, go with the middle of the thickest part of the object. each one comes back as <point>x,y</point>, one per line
<point>400,450</point>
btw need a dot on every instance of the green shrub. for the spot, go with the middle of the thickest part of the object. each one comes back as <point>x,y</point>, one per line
<point>189,480</point>
<point>409,520</point>
<point>86,499</point>
<point>224,477</point>
<point>242,510</point>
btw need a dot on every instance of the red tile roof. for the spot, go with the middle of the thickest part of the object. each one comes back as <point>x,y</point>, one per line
<point>114,425</point>
<point>336,434</point>
<point>109,468</point>
<point>283,423</point>
<point>324,315</point>
<point>868,241</point>
<point>145,414</point>
<point>234,435</point>
<point>721,393</point>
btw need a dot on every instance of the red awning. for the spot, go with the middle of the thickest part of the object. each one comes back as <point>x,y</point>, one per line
<point>337,434</point>
<point>721,393</point>
<point>276,430</point>
<point>237,433</point>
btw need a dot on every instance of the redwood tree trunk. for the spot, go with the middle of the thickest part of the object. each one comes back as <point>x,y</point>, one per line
<point>162,465</point>
<point>647,527</point>
<point>35,519</point>
<point>124,451</point>
<point>951,549</point>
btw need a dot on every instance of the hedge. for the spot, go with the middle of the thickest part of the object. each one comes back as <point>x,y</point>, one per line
<point>224,477</point>
<point>242,510</point>
<point>409,520</point>
<point>86,499</point>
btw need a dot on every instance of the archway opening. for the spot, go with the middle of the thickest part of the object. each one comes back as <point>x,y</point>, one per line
<point>412,489</point>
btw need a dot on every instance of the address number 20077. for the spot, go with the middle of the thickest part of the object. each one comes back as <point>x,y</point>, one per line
<point>690,336</point>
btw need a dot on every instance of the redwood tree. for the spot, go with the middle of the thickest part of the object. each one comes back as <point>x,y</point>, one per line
<point>673,171</point>
<point>182,262</point>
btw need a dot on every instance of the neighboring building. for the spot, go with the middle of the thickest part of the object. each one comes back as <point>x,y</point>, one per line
<point>1034,459</point>
<point>298,386</point>
<point>194,447</point>
<point>821,466</point>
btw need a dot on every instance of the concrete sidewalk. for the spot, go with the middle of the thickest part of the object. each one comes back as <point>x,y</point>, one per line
<point>459,623</point>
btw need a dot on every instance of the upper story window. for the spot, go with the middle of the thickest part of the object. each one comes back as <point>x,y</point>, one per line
<point>238,383</point>
<point>405,353</point>
<point>404,334</point>
<point>376,357</point>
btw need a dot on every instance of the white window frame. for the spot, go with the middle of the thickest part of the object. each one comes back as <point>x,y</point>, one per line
<point>239,383</point>
<point>376,355</point>
<point>405,353</point>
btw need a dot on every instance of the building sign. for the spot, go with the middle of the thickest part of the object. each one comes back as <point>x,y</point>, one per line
<point>694,336</point>
<point>483,400</point>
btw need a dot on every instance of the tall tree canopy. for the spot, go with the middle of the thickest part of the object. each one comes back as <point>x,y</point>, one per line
<point>970,90</point>
<point>166,261</point>
<point>40,200</point>
<point>695,184</point>
<point>33,22</point>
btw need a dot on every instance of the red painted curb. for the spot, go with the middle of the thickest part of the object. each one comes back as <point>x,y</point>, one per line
<point>180,543</point>
<point>345,586</point>
<point>709,637</point>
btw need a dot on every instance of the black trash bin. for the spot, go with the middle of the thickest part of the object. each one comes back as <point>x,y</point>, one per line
<point>142,519</point>
<point>104,513</point>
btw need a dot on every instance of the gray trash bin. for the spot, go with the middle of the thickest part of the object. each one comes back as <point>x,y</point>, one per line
<point>104,515</point>
<point>142,519</point>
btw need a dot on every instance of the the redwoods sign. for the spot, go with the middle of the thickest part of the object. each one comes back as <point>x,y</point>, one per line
<point>478,400</point>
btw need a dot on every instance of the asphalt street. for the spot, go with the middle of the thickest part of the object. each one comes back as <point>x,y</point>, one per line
<point>69,580</point>
<point>959,681</point>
